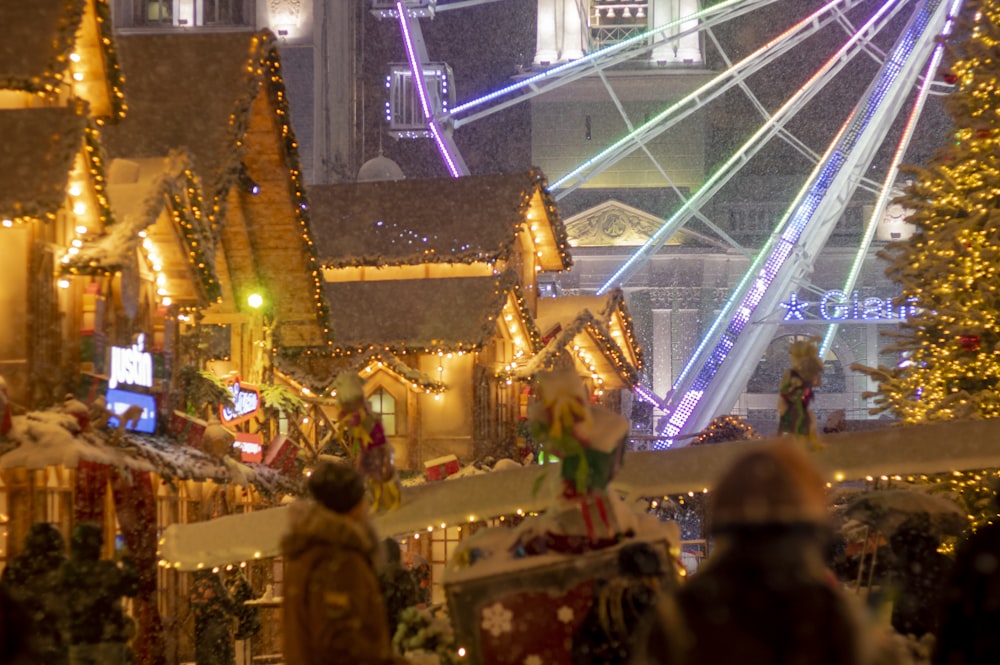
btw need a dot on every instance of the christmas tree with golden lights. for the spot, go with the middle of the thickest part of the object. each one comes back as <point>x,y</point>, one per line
<point>948,269</point>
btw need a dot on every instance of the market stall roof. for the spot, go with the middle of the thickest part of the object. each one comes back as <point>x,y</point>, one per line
<point>421,314</point>
<point>938,448</point>
<point>458,220</point>
<point>154,203</point>
<point>40,439</point>
<point>609,309</point>
<point>51,44</point>
<point>221,97</point>
<point>40,148</point>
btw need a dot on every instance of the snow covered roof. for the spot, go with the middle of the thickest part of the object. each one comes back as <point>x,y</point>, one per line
<point>192,91</point>
<point>434,314</point>
<point>40,146</point>
<point>53,438</point>
<point>593,348</point>
<point>220,96</point>
<point>609,309</point>
<point>972,445</point>
<point>317,371</point>
<point>457,220</point>
<point>158,197</point>
<point>39,38</point>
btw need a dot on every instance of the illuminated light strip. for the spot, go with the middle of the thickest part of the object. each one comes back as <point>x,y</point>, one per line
<point>777,255</point>
<point>765,54</point>
<point>897,158</point>
<point>740,156</point>
<point>590,57</point>
<point>454,163</point>
<point>647,395</point>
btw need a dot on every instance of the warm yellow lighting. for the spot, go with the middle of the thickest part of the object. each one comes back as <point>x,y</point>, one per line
<point>75,189</point>
<point>81,229</point>
<point>63,283</point>
<point>78,76</point>
<point>74,57</point>
<point>79,208</point>
<point>255,300</point>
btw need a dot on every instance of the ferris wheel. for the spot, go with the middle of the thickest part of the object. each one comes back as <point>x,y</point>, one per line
<point>902,36</point>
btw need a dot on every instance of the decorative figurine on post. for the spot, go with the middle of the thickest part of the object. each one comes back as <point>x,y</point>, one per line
<point>590,442</point>
<point>796,392</point>
<point>362,433</point>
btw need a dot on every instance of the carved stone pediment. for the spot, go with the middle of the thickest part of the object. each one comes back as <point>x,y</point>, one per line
<point>612,223</point>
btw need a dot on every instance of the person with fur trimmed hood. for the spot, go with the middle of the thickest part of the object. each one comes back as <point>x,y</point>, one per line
<point>333,609</point>
<point>765,596</point>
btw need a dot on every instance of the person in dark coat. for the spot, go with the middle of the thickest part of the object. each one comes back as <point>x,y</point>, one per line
<point>764,597</point>
<point>332,607</point>
<point>969,631</point>
<point>214,615</point>
<point>399,586</point>
<point>92,589</point>
<point>917,577</point>
<point>32,581</point>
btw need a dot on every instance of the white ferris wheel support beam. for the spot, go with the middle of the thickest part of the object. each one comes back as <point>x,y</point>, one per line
<point>772,127</point>
<point>625,50</point>
<point>722,363</point>
<point>696,100</point>
<point>890,179</point>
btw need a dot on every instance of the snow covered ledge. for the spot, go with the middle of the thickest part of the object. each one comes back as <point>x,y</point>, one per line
<point>938,448</point>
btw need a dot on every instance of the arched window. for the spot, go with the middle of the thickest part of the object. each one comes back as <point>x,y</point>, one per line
<point>384,405</point>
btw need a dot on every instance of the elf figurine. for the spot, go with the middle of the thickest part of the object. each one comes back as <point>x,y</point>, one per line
<point>590,442</point>
<point>796,392</point>
<point>365,438</point>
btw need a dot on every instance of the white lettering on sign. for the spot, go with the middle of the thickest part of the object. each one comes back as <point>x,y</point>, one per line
<point>131,366</point>
<point>246,401</point>
<point>835,305</point>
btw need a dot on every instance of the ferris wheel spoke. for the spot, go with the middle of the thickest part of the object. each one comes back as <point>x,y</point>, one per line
<point>768,130</point>
<point>730,347</point>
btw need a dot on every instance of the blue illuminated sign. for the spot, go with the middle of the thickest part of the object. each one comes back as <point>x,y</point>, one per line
<point>119,401</point>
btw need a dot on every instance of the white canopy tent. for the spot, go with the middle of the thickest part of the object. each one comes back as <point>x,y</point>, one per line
<point>937,448</point>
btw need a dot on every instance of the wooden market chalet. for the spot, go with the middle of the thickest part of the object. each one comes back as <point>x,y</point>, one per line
<point>137,221</point>
<point>436,305</point>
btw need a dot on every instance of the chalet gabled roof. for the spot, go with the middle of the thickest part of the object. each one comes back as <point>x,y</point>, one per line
<point>191,91</point>
<point>434,220</point>
<point>40,146</point>
<point>41,35</point>
<point>158,196</point>
<point>582,322</point>
<point>608,309</point>
<point>220,96</point>
<point>317,372</point>
<point>457,314</point>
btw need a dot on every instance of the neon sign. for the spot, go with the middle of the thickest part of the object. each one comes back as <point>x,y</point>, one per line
<point>835,305</point>
<point>246,402</point>
<point>131,365</point>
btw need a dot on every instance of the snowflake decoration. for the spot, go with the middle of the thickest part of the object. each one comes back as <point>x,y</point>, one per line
<point>533,659</point>
<point>497,620</point>
<point>565,614</point>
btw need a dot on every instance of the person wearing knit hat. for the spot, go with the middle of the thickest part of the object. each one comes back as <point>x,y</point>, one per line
<point>765,596</point>
<point>333,609</point>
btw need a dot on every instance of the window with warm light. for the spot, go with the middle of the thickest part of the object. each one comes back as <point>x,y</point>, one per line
<point>183,13</point>
<point>384,405</point>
